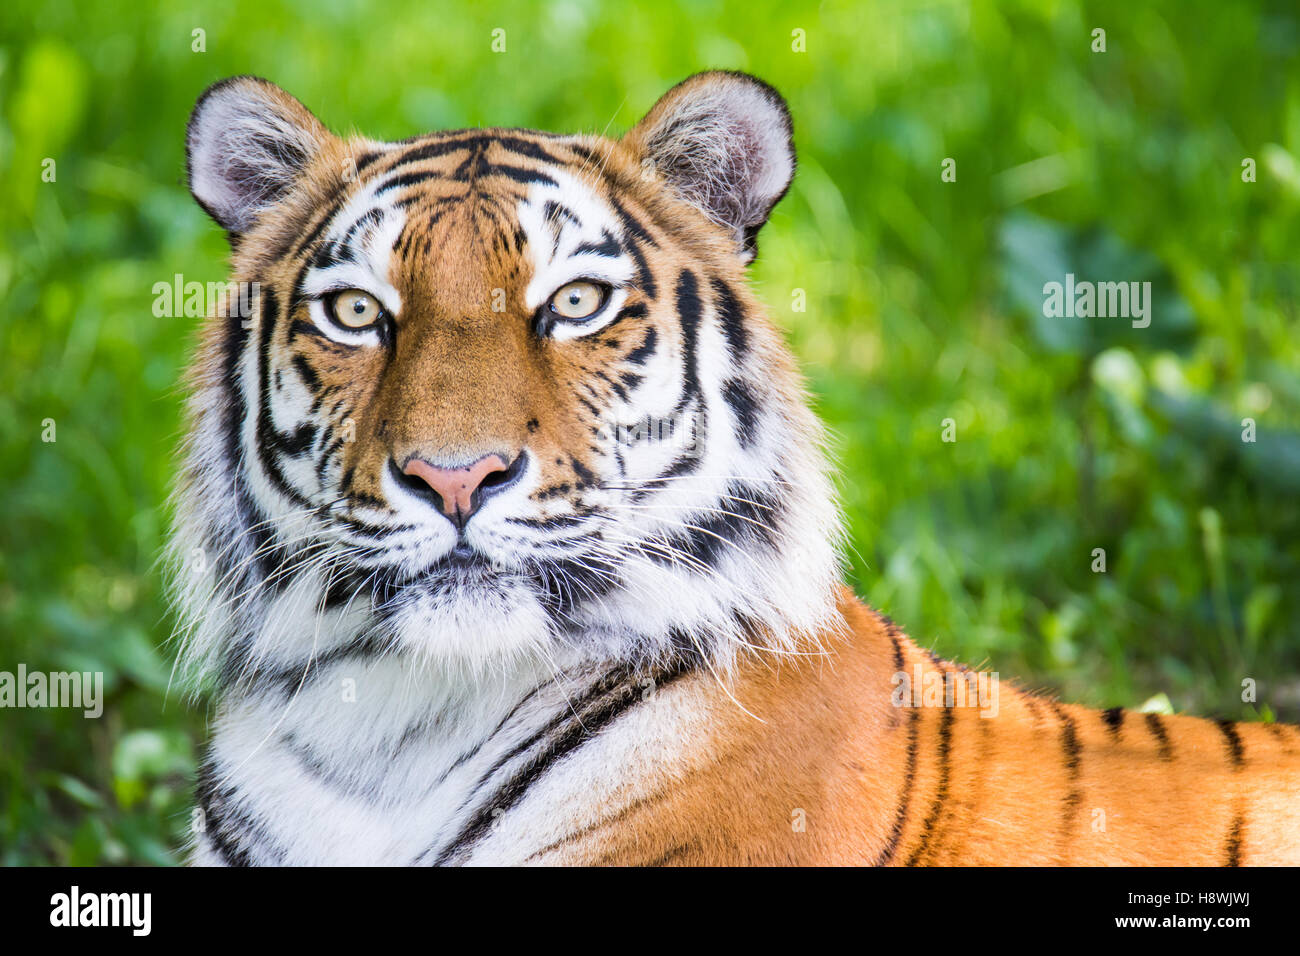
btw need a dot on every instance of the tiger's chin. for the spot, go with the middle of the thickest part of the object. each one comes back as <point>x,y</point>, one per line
<point>467,617</point>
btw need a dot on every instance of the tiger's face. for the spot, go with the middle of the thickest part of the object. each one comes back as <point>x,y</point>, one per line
<point>505,392</point>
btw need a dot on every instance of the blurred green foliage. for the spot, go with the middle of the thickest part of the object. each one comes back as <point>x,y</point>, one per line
<point>923,304</point>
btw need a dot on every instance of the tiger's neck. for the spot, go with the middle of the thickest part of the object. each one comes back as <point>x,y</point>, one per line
<point>366,762</point>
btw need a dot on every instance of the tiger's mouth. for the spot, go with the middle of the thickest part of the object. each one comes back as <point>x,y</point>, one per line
<point>464,566</point>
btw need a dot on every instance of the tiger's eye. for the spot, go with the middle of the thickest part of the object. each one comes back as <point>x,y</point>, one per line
<point>578,300</point>
<point>355,309</point>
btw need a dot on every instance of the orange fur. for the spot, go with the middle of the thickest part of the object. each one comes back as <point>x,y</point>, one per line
<point>830,749</point>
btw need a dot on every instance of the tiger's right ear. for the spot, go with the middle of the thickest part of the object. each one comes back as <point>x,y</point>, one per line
<point>247,141</point>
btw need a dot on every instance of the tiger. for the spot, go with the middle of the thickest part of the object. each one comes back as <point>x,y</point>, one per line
<point>505,534</point>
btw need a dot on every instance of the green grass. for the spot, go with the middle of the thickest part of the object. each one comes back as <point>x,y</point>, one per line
<point>923,304</point>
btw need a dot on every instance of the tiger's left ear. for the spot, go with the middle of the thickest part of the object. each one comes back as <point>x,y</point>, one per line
<point>723,141</point>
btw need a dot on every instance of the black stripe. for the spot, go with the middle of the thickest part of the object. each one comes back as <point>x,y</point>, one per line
<point>744,519</point>
<point>1114,718</point>
<point>553,212</point>
<point>941,791</point>
<point>308,374</point>
<point>642,352</point>
<point>909,775</point>
<point>527,148</point>
<point>267,436</point>
<point>608,247</point>
<point>744,406</point>
<point>520,175</point>
<point>635,234</point>
<point>1157,729</point>
<point>434,150</point>
<point>218,826</point>
<point>635,311</point>
<point>1236,754</point>
<point>302,327</point>
<point>406,179</point>
<point>1072,754</point>
<point>733,320</point>
<point>602,686</point>
<point>248,515</point>
<point>476,166</point>
<point>612,696</point>
<point>1232,850</point>
<point>688,314</point>
<point>297,442</point>
<point>467,140</point>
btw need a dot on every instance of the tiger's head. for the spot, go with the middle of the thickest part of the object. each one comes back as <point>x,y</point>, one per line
<point>500,392</point>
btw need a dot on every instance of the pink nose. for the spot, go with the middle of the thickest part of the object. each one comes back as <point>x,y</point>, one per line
<point>456,487</point>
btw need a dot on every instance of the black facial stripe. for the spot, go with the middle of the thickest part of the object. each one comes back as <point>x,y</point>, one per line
<point>744,517</point>
<point>635,235</point>
<point>334,446</point>
<point>688,314</point>
<point>631,225</point>
<point>305,372</point>
<point>467,140</point>
<point>298,442</point>
<point>268,437</point>
<point>644,277</point>
<point>377,532</point>
<point>434,150</point>
<point>360,165</point>
<point>740,397</point>
<point>520,175</point>
<point>302,327</point>
<point>609,247</point>
<point>371,218</point>
<point>307,240</point>
<point>554,212</point>
<point>332,253</point>
<point>526,148</point>
<point>476,166</point>
<point>732,316</point>
<point>250,521</point>
<point>642,353</point>
<point>406,179</point>
<point>589,157</point>
<point>635,311</point>
<point>548,524</point>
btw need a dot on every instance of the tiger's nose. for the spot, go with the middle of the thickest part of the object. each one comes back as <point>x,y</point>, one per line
<point>459,492</point>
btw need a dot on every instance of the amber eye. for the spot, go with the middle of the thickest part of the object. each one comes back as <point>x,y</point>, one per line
<point>578,300</point>
<point>355,309</point>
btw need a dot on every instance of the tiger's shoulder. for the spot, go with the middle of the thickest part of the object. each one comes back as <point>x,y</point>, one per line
<point>875,751</point>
